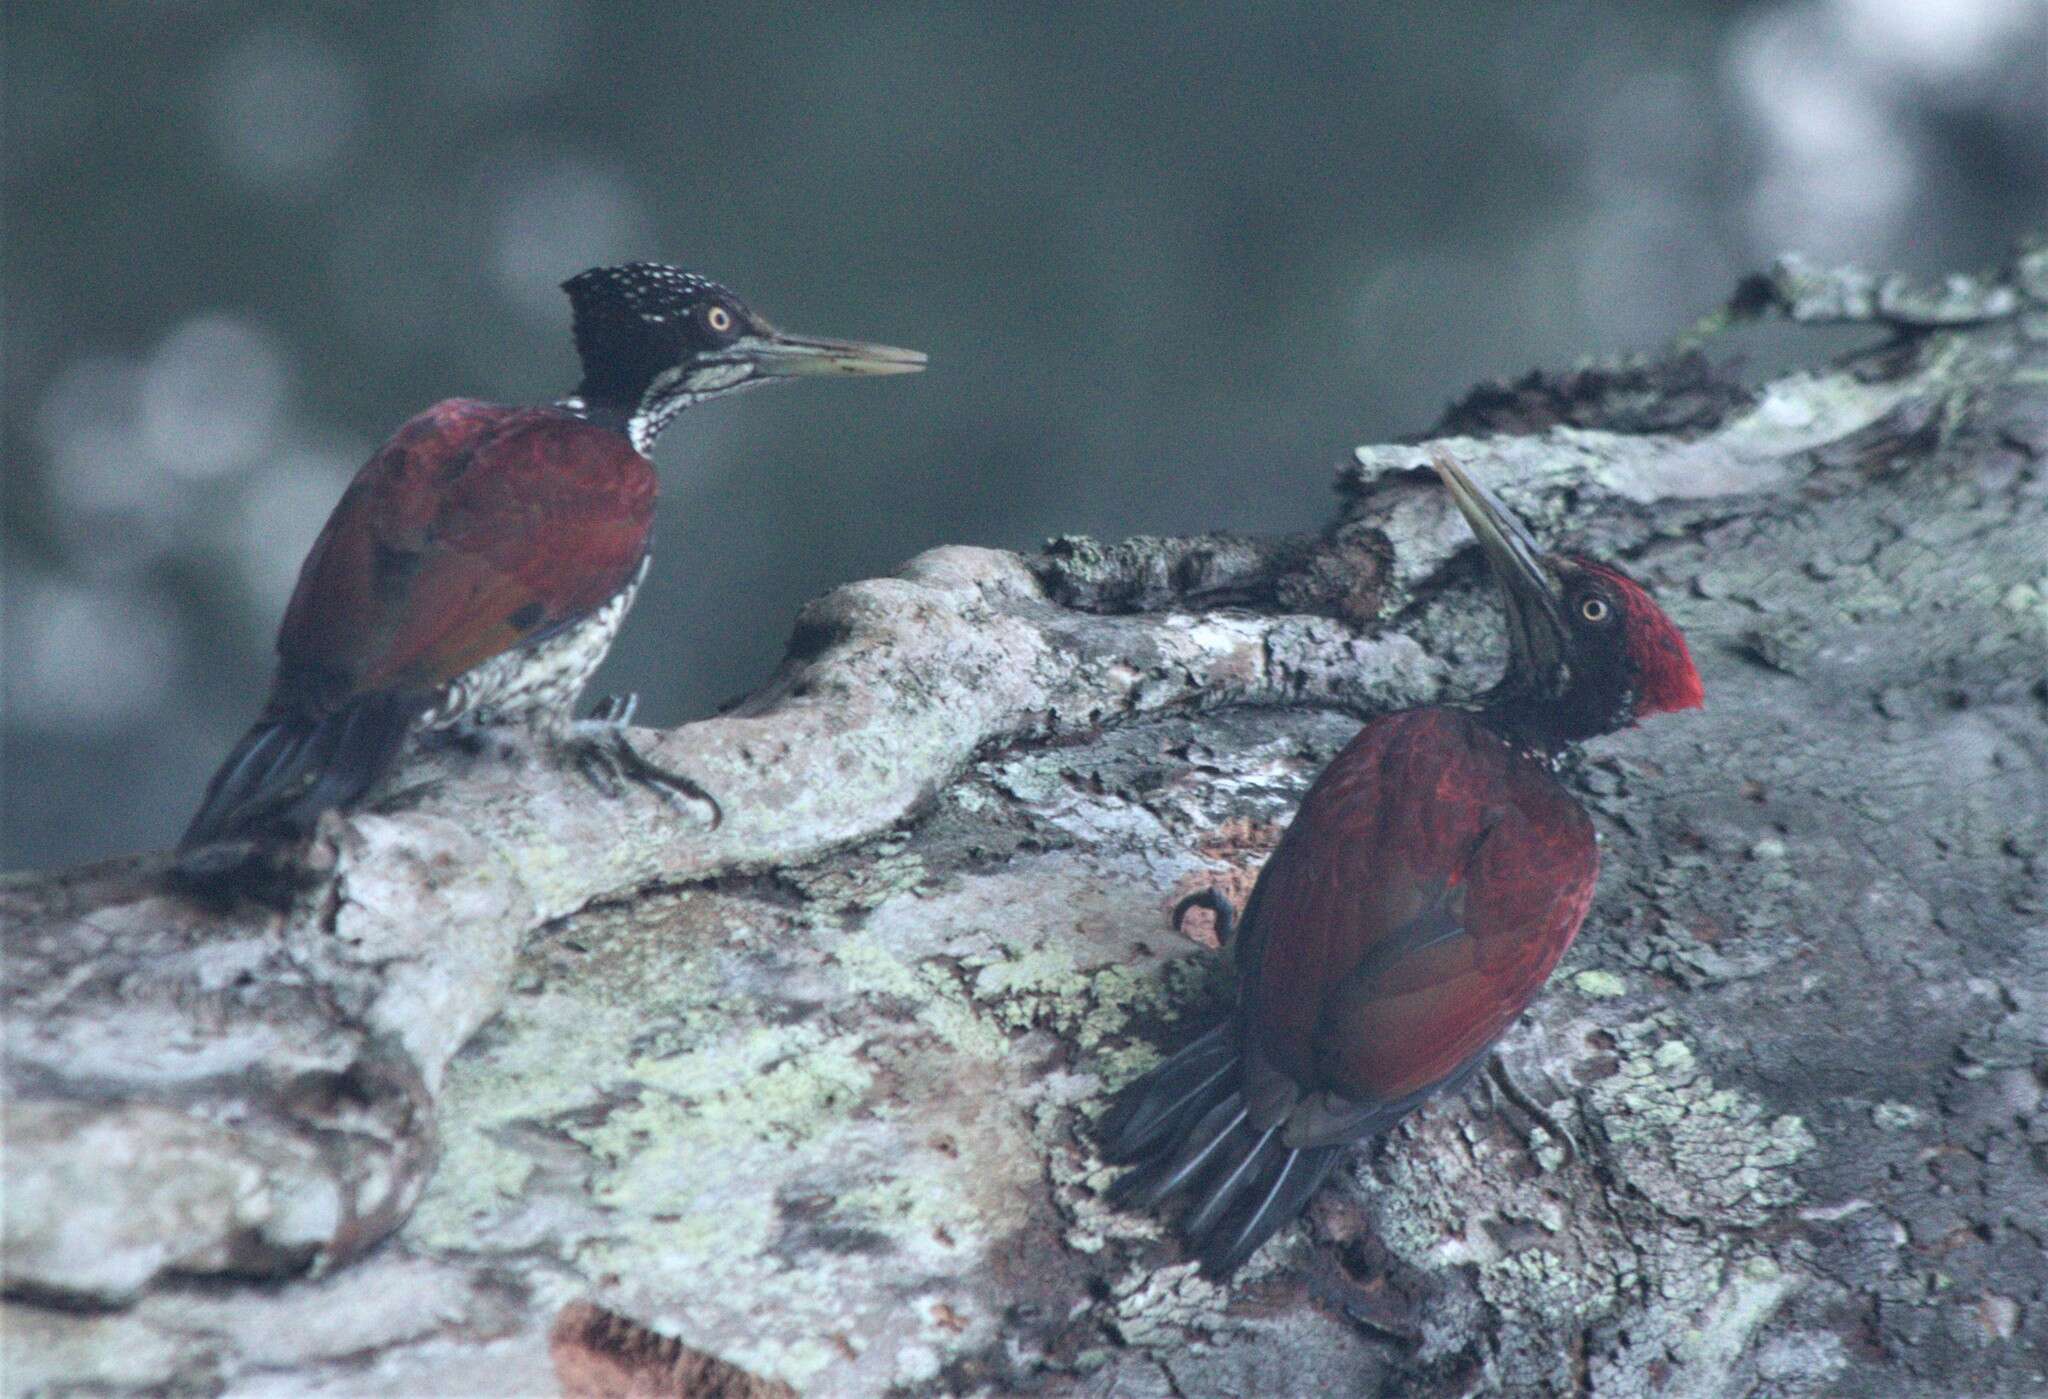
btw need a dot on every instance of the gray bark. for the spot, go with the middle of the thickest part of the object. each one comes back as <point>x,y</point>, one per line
<point>803,1098</point>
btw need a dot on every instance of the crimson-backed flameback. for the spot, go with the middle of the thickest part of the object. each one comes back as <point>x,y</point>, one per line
<point>1433,876</point>
<point>479,566</point>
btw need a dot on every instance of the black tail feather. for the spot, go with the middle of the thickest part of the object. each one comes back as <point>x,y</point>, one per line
<point>288,770</point>
<point>1295,1174</point>
<point>1183,1127</point>
<point>1223,1192</point>
<point>1178,1162</point>
<point>1168,1099</point>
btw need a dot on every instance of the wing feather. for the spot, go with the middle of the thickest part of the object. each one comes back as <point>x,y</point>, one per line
<point>474,530</point>
<point>1422,897</point>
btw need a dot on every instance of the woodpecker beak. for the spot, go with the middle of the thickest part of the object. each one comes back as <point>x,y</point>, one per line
<point>773,355</point>
<point>1530,590</point>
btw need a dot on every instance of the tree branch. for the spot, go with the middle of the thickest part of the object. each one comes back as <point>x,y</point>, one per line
<point>807,1090</point>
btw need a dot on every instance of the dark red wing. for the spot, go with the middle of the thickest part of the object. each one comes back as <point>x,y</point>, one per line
<point>476,528</point>
<point>1427,887</point>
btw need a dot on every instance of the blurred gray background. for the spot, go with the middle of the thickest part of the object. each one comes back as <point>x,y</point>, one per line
<point>1170,262</point>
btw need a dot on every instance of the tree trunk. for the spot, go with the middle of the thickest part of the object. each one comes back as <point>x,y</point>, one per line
<point>503,1085</point>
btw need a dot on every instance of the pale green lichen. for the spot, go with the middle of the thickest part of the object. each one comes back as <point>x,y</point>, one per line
<point>942,1006</point>
<point>1600,984</point>
<point>1161,1306</point>
<point>1034,780</point>
<point>549,1055</point>
<point>1088,1006</point>
<point>688,1119</point>
<point>691,1103</point>
<point>876,874</point>
<point>1897,1116</point>
<point>1706,1356</point>
<point>919,1209</point>
<point>1696,1149</point>
<point>773,1083</point>
<point>490,1175</point>
<point>1669,1134</point>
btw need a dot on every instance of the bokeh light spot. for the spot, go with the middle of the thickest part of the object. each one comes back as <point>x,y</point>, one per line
<point>556,216</point>
<point>82,659</point>
<point>213,395</point>
<point>282,108</point>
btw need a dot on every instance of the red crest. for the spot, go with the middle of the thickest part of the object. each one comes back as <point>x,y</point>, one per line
<point>1666,680</point>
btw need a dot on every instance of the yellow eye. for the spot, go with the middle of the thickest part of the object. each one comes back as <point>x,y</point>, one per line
<point>1593,609</point>
<point>719,319</point>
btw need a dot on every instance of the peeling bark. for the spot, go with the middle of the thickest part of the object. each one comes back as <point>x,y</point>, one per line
<point>808,1093</point>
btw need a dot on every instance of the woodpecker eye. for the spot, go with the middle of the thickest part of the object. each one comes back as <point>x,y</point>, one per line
<point>1594,609</point>
<point>719,319</point>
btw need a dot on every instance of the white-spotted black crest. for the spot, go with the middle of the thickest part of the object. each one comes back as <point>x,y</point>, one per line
<point>656,339</point>
<point>638,321</point>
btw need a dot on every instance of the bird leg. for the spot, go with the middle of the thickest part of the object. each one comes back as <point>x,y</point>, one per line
<point>608,760</point>
<point>1498,1077</point>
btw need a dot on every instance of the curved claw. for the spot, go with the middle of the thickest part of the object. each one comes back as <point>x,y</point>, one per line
<point>672,786</point>
<point>1212,899</point>
<point>1497,1075</point>
<point>615,709</point>
<point>607,759</point>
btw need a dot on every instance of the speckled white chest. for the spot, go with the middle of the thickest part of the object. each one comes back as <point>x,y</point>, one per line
<point>544,678</point>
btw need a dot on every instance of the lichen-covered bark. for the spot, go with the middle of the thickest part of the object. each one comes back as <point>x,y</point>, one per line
<point>803,1099</point>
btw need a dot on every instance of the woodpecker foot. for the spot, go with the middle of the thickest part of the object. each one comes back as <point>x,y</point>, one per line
<point>608,760</point>
<point>1498,1077</point>
<point>616,709</point>
<point>1212,899</point>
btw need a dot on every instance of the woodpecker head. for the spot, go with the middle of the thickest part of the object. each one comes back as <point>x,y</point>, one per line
<point>655,339</point>
<point>1589,652</point>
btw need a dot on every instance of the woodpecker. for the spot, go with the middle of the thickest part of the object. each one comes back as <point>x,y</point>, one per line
<point>478,567</point>
<point>1434,874</point>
